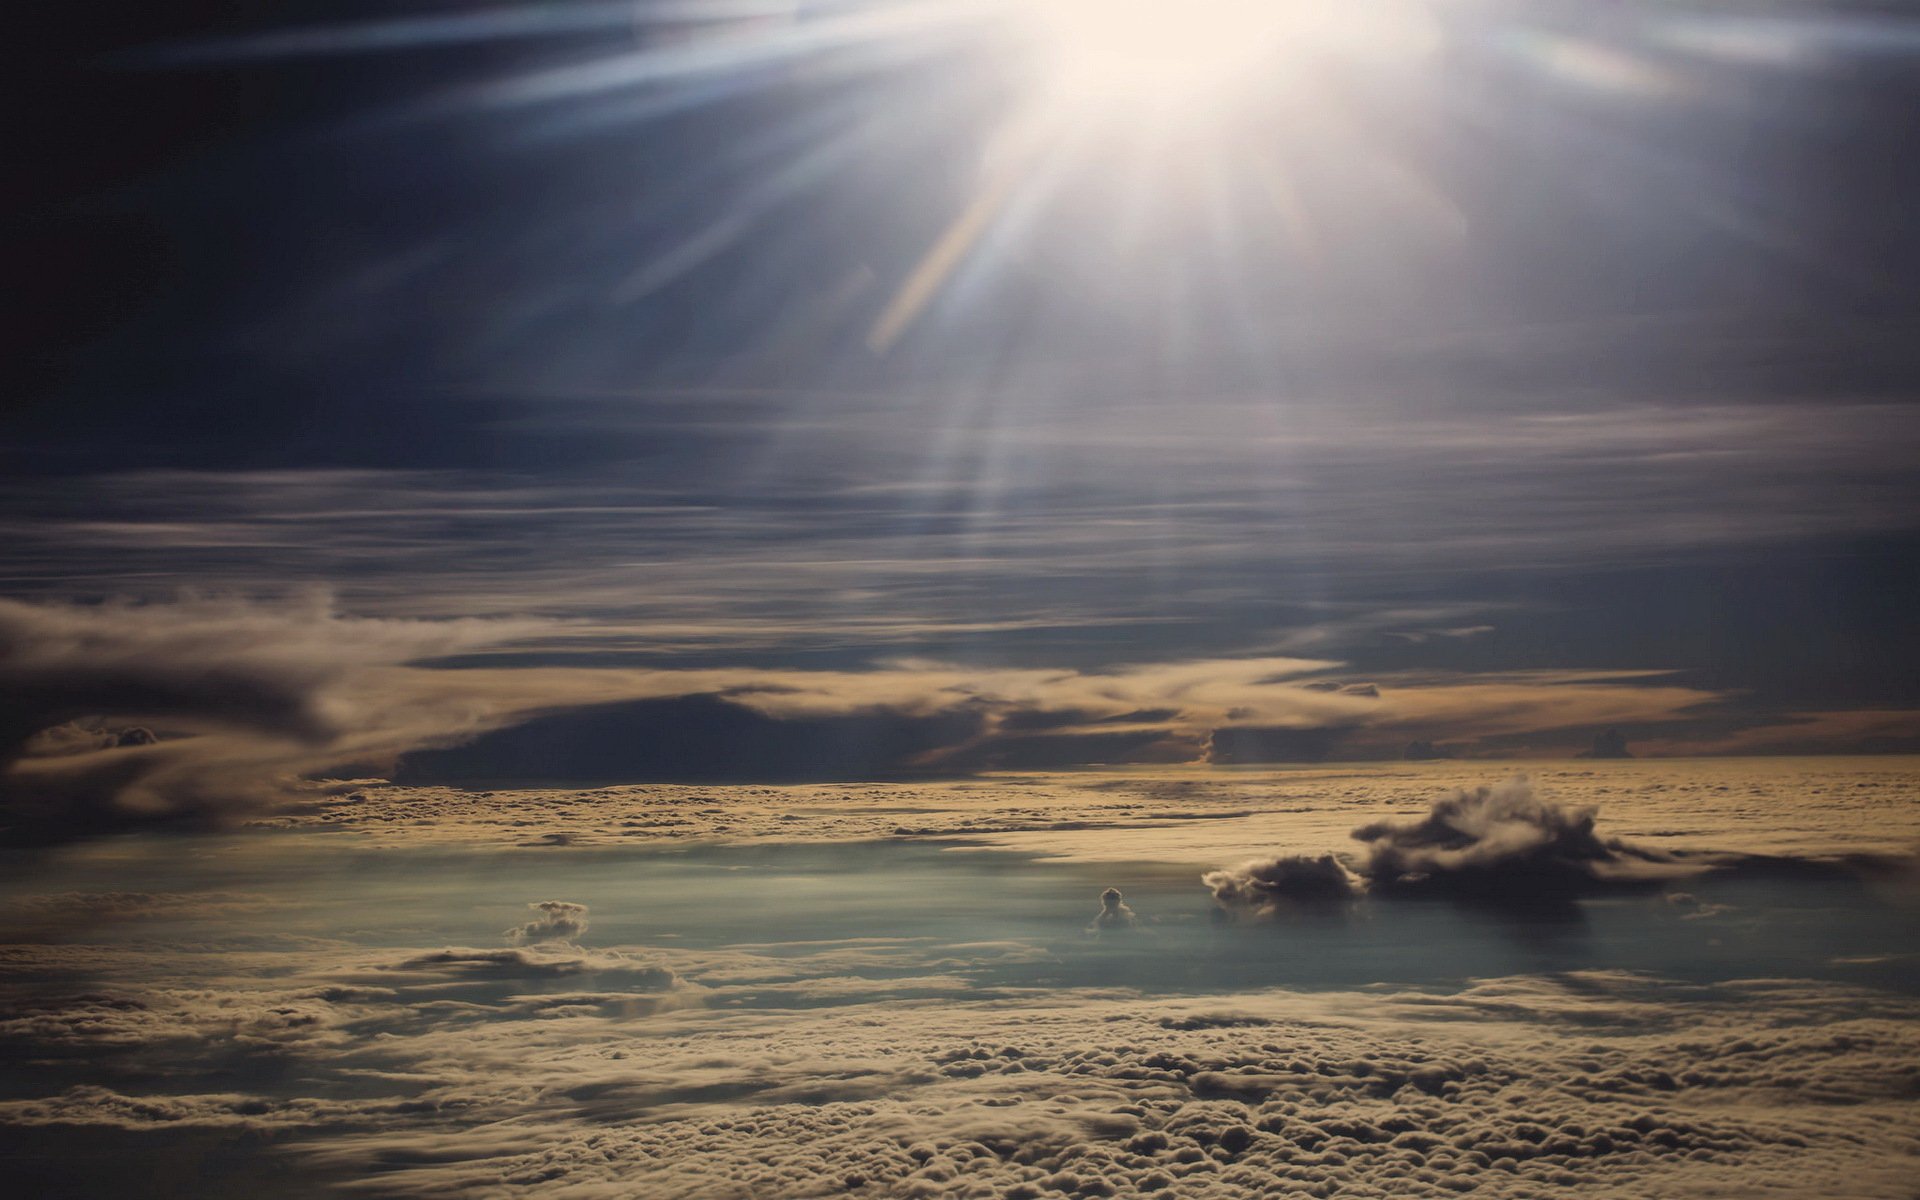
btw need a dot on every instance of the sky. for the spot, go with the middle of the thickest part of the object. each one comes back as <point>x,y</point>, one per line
<point>962,600</point>
<point>783,391</point>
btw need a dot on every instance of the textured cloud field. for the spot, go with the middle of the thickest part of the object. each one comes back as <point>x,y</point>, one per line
<point>1725,1004</point>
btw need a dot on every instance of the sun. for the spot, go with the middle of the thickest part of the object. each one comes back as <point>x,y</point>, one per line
<point>1156,52</point>
<point>1132,95</point>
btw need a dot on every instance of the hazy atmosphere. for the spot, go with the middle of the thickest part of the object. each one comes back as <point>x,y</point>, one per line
<point>962,598</point>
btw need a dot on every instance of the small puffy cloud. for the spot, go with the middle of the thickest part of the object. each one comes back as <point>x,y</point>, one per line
<point>1115,915</point>
<point>559,921</point>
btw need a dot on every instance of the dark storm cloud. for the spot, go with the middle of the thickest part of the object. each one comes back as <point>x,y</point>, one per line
<point>1501,845</point>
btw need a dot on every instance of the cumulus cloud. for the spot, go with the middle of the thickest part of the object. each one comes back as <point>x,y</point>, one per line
<point>559,921</point>
<point>1262,887</point>
<point>1115,915</point>
<point>1501,844</point>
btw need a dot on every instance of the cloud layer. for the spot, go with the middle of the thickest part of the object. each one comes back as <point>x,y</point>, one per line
<point>201,709</point>
<point>1618,1085</point>
<point>906,1021</point>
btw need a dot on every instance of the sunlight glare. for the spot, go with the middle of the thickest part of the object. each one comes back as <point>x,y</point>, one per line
<point>1158,51</point>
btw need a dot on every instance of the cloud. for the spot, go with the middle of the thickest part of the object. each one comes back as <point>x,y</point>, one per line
<point>1481,488</point>
<point>704,738</point>
<point>524,963</point>
<point>910,717</point>
<point>81,908</point>
<point>905,1064</point>
<point>123,712</point>
<point>1272,744</point>
<point>1615,1084</point>
<point>1263,887</point>
<point>1115,915</point>
<point>1501,845</point>
<point>1049,752</point>
<point>1417,636</point>
<point>202,710</point>
<point>559,921</point>
<point>1852,731</point>
<point>1609,743</point>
